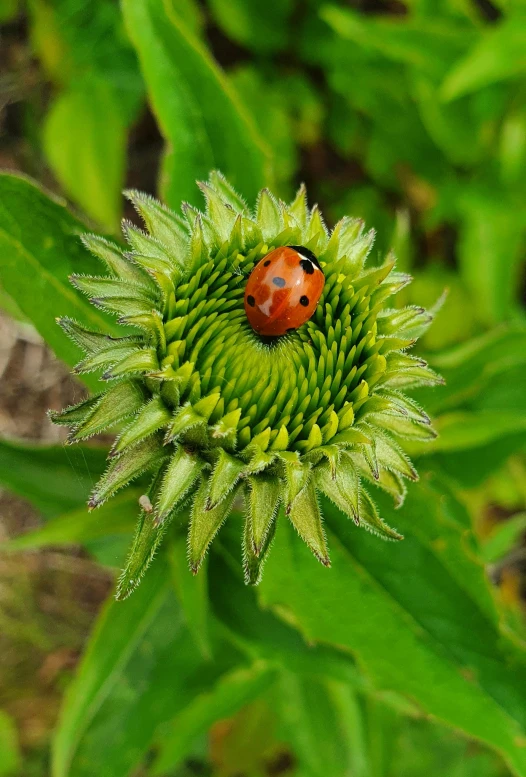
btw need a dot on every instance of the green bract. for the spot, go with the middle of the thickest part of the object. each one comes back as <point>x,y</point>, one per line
<point>214,412</point>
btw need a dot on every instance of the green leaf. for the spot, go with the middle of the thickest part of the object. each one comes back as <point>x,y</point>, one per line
<point>146,541</point>
<point>192,592</point>
<point>226,474</point>
<point>436,642</point>
<point>181,473</point>
<point>54,478</point>
<point>464,430</point>
<point>81,527</point>
<point>322,722</point>
<point>39,249</point>
<point>146,456</point>
<point>503,538</point>
<point>140,669</point>
<point>258,632</point>
<point>262,504</point>
<point>490,252</point>
<point>232,692</point>
<point>414,747</point>
<point>478,373</point>
<point>260,27</point>
<point>306,518</point>
<point>10,761</point>
<point>199,114</point>
<point>422,43</point>
<point>499,54</point>
<point>86,41</point>
<point>85,143</point>
<point>204,524</point>
<point>120,633</point>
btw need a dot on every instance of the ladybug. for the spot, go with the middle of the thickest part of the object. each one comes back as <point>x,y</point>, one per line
<point>283,290</point>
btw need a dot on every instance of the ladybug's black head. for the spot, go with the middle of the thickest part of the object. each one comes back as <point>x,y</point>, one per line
<point>307,253</point>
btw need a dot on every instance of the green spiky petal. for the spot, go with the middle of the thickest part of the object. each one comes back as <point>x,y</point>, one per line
<point>213,411</point>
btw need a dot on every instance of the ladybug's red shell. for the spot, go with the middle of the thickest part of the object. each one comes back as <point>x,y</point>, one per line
<point>283,290</point>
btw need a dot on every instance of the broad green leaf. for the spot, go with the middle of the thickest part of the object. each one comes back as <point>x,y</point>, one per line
<point>323,723</point>
<point>503,538</point>
<point>418,616</point>
<point>54,478</point>
<point>231,692</point>
<point>40,248</point>
<point>463,430</point>
<point>120,633</point>
<point>259,633</point>
<point>500,53</point>
<point>200,116</point>
<point>81,526</point>
<point>481,409</point>
<point>413,747</point>
<point>9,750</point>
<point>140,670</point>
<point>478,373</point>
<point>85,143</point>
<point>470,469</point>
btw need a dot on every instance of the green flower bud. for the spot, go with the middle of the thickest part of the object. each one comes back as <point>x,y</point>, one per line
<point>212,411</point>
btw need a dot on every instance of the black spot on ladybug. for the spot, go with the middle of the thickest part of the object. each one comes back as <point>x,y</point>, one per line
<point>304,301</point>
<point>266,264</point>
<point>280,282</point>
<point>307,254</point>
<point>251,301</point>
<point>307,266</point>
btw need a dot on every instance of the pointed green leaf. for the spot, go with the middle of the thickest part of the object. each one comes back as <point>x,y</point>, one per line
<point>343,488</point>
<point>261,507</point>
<point>91,342</point>
<point>145,456</point>
<point>115,405</point>
<point>148,537</point>
<point>306,518</point>
<point>74,414</point>
<point>142,360</point>
<point>182,472</point>
<point>370,519</point>
<point>185,419</point>
<point>268,215</point>
<point>226,474</point>
<point>204,524</point>
<point>391,456</point>
<point>162,224</point>
<point>115,261</point>
<point>152,417</point>
<point>253,562</point>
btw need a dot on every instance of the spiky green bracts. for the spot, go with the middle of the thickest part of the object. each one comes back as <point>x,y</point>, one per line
<point>212,411</point>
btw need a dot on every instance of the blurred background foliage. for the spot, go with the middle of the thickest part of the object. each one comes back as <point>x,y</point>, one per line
<point>410,114</point>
